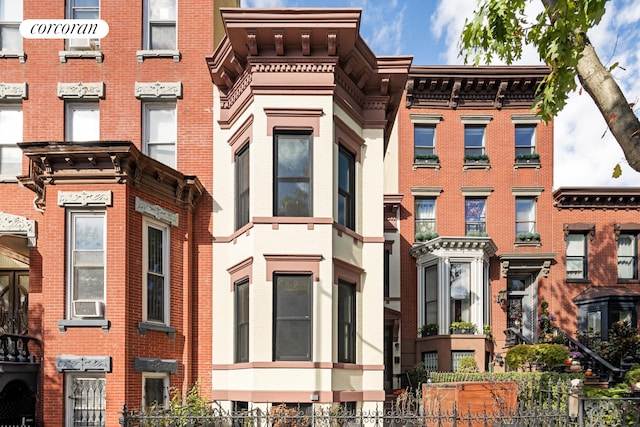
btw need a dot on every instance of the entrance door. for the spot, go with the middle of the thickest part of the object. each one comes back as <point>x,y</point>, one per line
<point>14,302</point>
<point>520,306</point>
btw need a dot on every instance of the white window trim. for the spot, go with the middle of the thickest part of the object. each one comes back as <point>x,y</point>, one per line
<point>147,107</point>
<point>71,213</point>
<point>11,144</point>
<point>165,377</point>
<point>68,122</point>
<point>146,223</point>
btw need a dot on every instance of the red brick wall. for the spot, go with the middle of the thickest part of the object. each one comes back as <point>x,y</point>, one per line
<point>120,119</point>
<point>450,215</point>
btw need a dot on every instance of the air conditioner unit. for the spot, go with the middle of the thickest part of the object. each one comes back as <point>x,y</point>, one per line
<point>82,44</point>
<point>88,309</point>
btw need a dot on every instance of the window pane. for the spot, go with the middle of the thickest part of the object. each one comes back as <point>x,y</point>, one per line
<point>292,321</point>
<point>11,10</point>
<point>293,339</point>
<point>242,322</point>
<point>460,292</point>
<point>89,232</point>
<point>293,199</point>
<point>10,161</point>
<point>10,38</point>
<point>346,322</point>
<point>162,124</point>
<point>346,189</point>
<point>474,136</point>
<point>423,139</point>
<point>431,294</point>
<point>594,322</point>
<point>155,297</point>
<point>525,138</point>
<point>293,156</point>
<point>155,248</point>
<point>475,216</point>
<point>163,37</point>
<point>164,153</point>
<point>154,391</point>
<point>11,124</point>
<point>84,123</point>
<point>242,187</point>
<point>162,10</point>
<point>89,283</point>
<point>575,245</point>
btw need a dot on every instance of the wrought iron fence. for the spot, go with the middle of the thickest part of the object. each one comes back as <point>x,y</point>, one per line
<point>549,409</point>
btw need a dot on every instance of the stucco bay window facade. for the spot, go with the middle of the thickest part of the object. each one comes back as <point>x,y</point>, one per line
<point>296,112</point>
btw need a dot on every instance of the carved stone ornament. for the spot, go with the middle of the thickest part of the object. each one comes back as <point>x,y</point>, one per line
<point>83,363</point>
<point>10,91</point>
<point>158,90</point>
<point>84,198</point>
<point>146,364</point>
<point>157,212</point>
<point>14,224</point>
<point>81,90</point>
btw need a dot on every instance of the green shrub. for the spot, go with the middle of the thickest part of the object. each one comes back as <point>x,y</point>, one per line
<point>518,355</point>
<point>550,355</point>
<point>467,364</point>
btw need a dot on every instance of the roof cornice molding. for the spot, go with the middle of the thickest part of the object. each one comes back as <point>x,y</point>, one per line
<point>597,198</point>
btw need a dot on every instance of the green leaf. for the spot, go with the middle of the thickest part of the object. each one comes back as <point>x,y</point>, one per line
<point>617,171</point>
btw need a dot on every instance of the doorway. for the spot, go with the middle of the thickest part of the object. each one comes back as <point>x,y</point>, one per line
<point>14,302</point>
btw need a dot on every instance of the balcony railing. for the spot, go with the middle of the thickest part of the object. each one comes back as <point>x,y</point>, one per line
<point>15,348</point>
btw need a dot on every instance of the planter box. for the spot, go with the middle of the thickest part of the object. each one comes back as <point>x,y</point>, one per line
<point>470,398</point>
<point>429,333</point>
<point>459,331</point>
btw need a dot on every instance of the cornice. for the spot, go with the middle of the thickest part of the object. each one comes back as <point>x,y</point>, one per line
<point>109,162</point>
<point>597,198</point>
<point>453,87</point>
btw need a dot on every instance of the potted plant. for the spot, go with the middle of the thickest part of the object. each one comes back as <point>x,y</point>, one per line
<point>429,329</point>
<point>462,328</point>
<point>425,237</point>
<point>426,158</point>
<point>528,237</point>
<point>488,333</point>
<point>476,158</point>
<point>528,158</point>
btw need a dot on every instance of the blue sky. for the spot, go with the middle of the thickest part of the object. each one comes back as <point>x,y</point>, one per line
<point>585,152</point>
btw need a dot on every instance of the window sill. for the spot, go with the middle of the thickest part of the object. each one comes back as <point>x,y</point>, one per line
<point>91,54</point>
<point>578,280</point>
<point>426,165</point>
<point>146,54</point>
<point>527,243</point>
<point>14,54</point>
<point>525,165</point>
<point>8,179</point>
<point>476,165</point>
<point>143,327</point>
<point>82,323</point>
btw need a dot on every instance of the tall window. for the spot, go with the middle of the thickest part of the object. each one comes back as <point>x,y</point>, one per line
<point>155,389</point>
<point>10,133</point>
<point>474,140</point>
<point>292,170</point>
<point>86,400</point>
<point>83,9</point>
<point>160,132</point>
<point>525,139</point>
<point>460,292</point>
<point>431,294</point>
<point>423,141</point>
<point>425,215</point>
<point>292,334</point>
<point>160,25</point>
<point>525,215</point>
<point>10,19</point>
<point>346,188</point>
<point>83,121</point>
<point>156,275</point>
<point>242,186</point>
<point>475,216</point>
<point>86,237</point>
<point>387,273</point>
<point>242,321</point>
<point>576,256</point>
<point>627,257</point>
<point>346,322</point>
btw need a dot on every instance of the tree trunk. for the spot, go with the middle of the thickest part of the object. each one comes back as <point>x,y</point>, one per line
<point>606,94</point>
<point>611,102</point>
